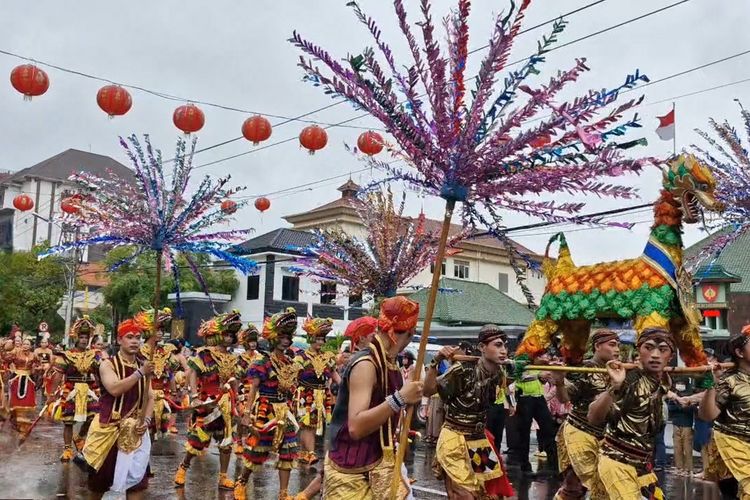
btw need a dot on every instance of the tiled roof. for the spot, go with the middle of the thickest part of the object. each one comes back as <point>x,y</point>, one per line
<point>714,272</point>
<point>473,303</point>
<point>280,240</point>
<point>61,166</point>
<point>735,259</point>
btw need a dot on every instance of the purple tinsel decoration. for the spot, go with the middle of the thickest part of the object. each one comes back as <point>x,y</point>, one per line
<point>154,215</point>
<point>730,163</point>
<point>498,148</point>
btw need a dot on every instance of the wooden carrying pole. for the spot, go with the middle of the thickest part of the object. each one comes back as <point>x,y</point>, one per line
<point>592,369</point>
<point>417,373</point>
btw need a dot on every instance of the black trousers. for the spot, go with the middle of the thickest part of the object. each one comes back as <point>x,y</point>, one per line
<point>535,408</point>
<point>496,424</point>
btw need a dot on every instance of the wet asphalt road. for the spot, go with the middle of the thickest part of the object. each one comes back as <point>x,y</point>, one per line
<point>34,472</point>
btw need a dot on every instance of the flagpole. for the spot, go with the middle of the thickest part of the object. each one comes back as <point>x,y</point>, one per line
<point>674,135</point>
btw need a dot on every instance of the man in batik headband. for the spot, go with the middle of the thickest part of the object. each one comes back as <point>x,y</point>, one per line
<point>631,407</point>
<point>75,386</point>
<point>578,440</point>
<point>361,455</point>
<point>117,448</point>
<point>314,398</point>
<point>728,405</point>
<point>165,360</point>
<point>248,339</point>
<point>273,426</point>
<point>213,379</point>
<point>467,457</point>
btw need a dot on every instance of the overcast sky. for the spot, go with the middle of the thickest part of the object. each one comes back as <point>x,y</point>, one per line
<point>235,53</point>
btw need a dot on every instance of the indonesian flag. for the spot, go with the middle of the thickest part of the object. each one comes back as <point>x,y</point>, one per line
<point>665,131</point>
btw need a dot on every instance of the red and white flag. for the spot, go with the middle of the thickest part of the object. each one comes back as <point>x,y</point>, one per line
<point>665,131</point>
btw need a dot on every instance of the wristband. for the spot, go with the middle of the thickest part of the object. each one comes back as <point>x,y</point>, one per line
<point>138,373</point>
<point>147,421</point>
<point>399,399</point>
<point>393,404</point>
<point>613,392</point>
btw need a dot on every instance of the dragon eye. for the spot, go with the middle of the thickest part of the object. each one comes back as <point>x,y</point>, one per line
<point>702,186</point>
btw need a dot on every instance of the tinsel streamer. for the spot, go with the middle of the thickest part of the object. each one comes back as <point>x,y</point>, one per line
<point>392,251</point>
<point>149,213</point>
<point>730,163</point>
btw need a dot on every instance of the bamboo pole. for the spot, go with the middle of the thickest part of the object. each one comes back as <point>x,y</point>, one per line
<point>417,373</point>
<point>592,369</point>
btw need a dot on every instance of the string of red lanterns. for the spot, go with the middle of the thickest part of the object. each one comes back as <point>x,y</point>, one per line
<point>115,100</point>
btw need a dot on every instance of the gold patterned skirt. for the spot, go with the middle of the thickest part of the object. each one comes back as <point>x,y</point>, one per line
<point>734,458</point>
<point>372,485</point>
<point>580,451</point>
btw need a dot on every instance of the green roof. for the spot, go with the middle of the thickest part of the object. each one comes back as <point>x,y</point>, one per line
<point>735,259</point>
<point>473,303</point>
<point>715,272</point>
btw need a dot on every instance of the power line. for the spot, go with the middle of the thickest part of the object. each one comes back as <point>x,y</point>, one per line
<point>605,30</point>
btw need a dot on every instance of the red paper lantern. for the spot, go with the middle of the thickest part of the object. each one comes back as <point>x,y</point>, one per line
<point>228,207</point>
<point>70,205</point>
<point>29,80</point>
<point>256,129</point>
<point>313,138</point>
<point>370,143</point>
<point>114,100</point>
<point>262,204</point>
<point>188,118</point>
<point>23,202</point>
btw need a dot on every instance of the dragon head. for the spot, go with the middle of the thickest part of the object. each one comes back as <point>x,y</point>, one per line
<point>150,325</point>
<point>82,326</point>
<point>692,186</point>
<point>213,330</point>
<point>247,335</point>
<point>317,327</point>
<point>281,323</point>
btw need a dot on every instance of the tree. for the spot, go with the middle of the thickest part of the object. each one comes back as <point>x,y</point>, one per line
<point>31,291</point>
<point>131,287</point>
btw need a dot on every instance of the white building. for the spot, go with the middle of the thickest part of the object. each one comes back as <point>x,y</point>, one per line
<point>279,283</point>
<point>47,184</point>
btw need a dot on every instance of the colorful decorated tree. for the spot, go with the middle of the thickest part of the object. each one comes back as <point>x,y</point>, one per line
<point>730,162</point>
<point>151,214</point>
<point>493,151</point>
<point>394,249</point>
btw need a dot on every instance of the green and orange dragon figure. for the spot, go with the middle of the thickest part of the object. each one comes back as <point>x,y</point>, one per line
<point>654,289</point>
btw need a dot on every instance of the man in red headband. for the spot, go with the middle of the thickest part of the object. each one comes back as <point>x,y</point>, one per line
<point>361,331</point>
<point>728,404</point>
<point>117,447</point>
<point>467,458</point>
<point>631,408</point>
<point>578,441</point>
<point>360,459</point>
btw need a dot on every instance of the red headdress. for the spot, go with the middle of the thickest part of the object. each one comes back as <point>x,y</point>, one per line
<point>398,315</point>
<point>127,327</point>
<point>361,328</point>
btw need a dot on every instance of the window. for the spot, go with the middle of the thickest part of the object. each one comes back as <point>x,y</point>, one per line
<point>253,287</point>
<point>442,270</point>
<point>328,292</point>
<point>355,300</point>
<point>502,282</point>
<point>461,269</point>
<point>290,288</point>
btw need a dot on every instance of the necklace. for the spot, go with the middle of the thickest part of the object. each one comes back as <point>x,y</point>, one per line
<point>226,363</point>
<point>319,362</point>
<point>286,371</point>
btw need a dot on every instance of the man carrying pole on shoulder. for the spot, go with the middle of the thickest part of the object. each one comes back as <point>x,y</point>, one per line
<point>631,408</point>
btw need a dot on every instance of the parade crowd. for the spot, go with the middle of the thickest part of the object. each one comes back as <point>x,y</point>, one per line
<point>601,429</point>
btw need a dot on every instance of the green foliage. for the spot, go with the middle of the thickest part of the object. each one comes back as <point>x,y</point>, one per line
<point>334,344</point>
<point>131,287</point>
<point>627,304</point>
<point>31,291</point>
